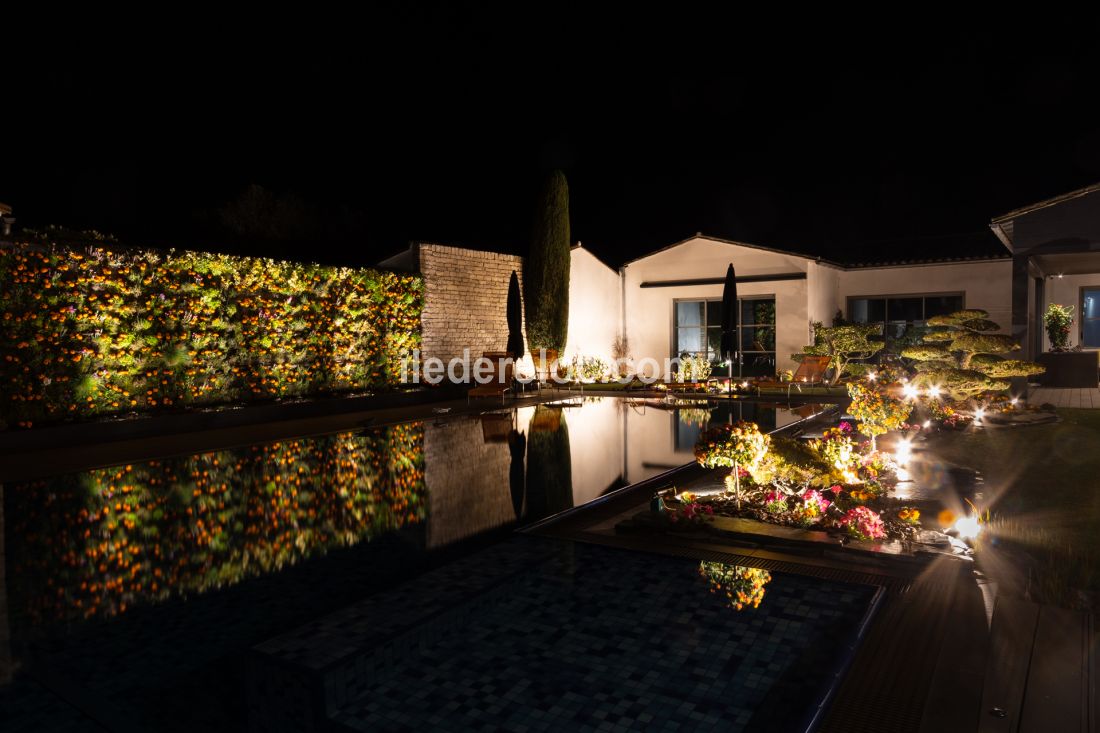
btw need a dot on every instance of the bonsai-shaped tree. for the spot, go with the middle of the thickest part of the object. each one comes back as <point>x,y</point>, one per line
<point>546,272</point>
<point>732,446</point>
<point>1057,320</point>
<point>962,356</point>
<point>877,407</point>
<point>843,344</point>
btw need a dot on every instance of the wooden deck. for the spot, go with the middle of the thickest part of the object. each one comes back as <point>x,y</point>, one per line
<point>1064,397</point>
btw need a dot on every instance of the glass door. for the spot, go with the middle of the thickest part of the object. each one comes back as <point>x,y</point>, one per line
<point>698,332</point>
<point>757,337</point>
<point>1090,317</point>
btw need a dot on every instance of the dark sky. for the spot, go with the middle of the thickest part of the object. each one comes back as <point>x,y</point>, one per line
<point>439,124</point>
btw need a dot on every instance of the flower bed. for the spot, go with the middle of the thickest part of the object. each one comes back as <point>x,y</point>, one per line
<point>98,331</point>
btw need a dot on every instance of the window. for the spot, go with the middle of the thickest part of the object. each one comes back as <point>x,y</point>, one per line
<point>900,312</point>
<point>1090,317</point>
<point>699,330</point>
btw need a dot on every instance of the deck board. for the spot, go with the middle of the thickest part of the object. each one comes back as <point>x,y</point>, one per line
<point>1058,680</point>
<point>1011,640</point>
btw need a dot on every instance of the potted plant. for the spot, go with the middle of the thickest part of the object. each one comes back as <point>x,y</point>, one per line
<point>1058,320</point>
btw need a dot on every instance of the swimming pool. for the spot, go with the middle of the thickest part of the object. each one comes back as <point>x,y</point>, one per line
<point>584,637</point>
<point>134,582</point>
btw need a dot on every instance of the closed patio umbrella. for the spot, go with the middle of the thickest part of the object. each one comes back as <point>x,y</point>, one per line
<point>515,319</point>
<point>728,346</point>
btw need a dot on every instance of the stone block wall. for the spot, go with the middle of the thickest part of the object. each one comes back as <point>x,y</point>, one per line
<point>466,300</point>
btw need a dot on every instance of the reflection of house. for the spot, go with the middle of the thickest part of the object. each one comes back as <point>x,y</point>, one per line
<point>662,302</point>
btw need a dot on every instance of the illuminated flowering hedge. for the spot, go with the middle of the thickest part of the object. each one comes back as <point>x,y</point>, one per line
<point>96,543</point>
<point>98,331</point>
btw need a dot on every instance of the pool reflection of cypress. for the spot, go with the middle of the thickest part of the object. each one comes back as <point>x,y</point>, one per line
<point>96,543</point>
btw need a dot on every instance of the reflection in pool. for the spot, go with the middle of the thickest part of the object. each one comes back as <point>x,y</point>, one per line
<point>742,587</point>
<point>97,543</point>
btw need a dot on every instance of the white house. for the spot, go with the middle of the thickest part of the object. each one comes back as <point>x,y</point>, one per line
<point>663,304</point>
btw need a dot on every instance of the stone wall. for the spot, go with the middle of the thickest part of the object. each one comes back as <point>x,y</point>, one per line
<point>466,300</point>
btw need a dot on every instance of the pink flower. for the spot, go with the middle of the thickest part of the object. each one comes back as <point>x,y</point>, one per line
<point>835,488</point>
<point>863,523</point>
<point>812,497</point>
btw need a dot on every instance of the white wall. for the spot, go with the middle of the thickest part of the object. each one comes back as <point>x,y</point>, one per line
<point>987,285</point>
<point>649,311</point>
<point>1066,290</point>
<point>595,303</point>
<point>822,292</point>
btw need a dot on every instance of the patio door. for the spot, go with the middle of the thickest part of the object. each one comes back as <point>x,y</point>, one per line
<point>698,332</point>
<point>1090,317</point>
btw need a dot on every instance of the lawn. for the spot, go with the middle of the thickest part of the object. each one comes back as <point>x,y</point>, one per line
<point>1042,491</point>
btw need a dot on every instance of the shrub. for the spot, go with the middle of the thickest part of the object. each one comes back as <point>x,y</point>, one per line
<point>693,368</point>
<point>876,408</point>
<point>1058,319</point>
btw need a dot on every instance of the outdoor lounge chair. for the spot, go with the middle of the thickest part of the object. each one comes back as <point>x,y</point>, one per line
<point>811,371</point>
<point>501,382</point>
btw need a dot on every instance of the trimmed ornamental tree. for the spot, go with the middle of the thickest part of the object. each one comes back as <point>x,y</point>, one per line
<point>732,446</point>
<point>876,406</point>
<point>546,271</point>
<point>962,356</point>
<point>843,344</point>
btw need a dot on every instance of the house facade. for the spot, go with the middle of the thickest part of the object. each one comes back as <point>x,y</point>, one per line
<point>663,304</point>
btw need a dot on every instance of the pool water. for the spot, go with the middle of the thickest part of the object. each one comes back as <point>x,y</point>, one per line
<point>605,637</point>
<point>139,584</point>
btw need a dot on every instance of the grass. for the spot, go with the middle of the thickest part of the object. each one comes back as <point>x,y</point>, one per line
<point>1042,491</point>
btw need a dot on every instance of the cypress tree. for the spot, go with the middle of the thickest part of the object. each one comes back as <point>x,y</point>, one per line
<point>546,272</point>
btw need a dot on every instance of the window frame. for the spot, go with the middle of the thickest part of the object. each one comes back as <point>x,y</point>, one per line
<point>886,305</point>
<point>675,328</point>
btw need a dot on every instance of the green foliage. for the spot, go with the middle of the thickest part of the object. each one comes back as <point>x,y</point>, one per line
<point>958,318</point>
<point>981,325</point>
<point>876,408</point>
<point>693,368</point>
<point>546,271</point>
<point>959,384</point>
<point>96,331</point>
<point>926,366</point>
<point>731,445</point>
<point>982,343</point>
<point>926,352</point>
<point>1003,368</point>
<point>843,344</point>
<point>789,463</point>
<point>1057,320</point>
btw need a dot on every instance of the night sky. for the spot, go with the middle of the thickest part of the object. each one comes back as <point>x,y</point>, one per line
<point>438,125</point>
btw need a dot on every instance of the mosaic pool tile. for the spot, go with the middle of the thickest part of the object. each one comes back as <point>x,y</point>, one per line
<point>595,638</point>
